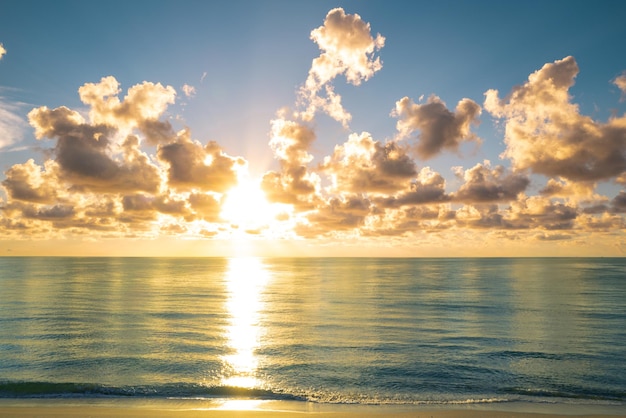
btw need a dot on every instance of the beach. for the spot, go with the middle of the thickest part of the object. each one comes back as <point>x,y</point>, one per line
<point>122,408</point>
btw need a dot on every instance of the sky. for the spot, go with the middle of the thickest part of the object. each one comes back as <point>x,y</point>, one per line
<point>313,128</point>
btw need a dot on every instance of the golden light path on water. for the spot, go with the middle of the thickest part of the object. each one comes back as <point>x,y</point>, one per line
<point>246,278</point>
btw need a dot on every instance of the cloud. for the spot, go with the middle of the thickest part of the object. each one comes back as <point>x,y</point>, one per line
<point>553,237</point>
<point>28,182</point>
<point>428,187</point>
<point>12,125</point>
<point>348,48</point>
<point>151,204</point>
<point>620,82</point>
<point>566,188</point>
<point>121,168</point>
<point>2,50</point>
<point>206,206</point>
<point>618,204</point>
<point>485,184</point>
<point>363,165</point>
<point>294,184</point>
<point>145,101</point>
<point>156,131</point>
<point>196,167</point>
<point>189,91</point>
<point>336,214</point>
<point>86,156</point>
<point>97,177</point>
<point>49,213</point>
<point>545,132</point>
<point>536,212</point>
<point>438,127</point>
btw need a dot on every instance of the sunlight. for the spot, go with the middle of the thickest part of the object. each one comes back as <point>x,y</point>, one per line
<point>241,404</point>
<point>246,279</point>
<point>246,206</point>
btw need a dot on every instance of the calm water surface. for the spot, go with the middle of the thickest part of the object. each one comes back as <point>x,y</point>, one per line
<point>362,330</point>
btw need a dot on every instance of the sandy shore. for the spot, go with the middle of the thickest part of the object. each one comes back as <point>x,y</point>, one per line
<point>122,408</point>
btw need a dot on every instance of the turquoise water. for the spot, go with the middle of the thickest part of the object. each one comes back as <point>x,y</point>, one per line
<point>329,330</point>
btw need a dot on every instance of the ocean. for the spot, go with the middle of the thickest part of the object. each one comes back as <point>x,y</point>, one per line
<point>406,331</point>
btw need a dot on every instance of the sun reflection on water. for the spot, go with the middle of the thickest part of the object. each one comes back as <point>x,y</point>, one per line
<point>245,280</point>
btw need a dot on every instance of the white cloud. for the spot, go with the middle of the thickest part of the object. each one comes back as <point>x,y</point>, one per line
<point>347,48</point>
<point>12,125</point>
<point>189,91</point>
<point>620,82</point>
<point>546,133</point>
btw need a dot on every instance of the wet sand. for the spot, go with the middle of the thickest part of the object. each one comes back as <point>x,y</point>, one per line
<point>163,408</point>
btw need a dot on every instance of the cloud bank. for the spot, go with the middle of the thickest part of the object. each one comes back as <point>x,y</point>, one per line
<point>100,177</point>
<point>121,168</point>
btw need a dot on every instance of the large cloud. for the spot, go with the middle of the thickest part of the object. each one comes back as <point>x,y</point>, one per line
<point>98,178</point>
<point>294,184</point>
<point>485,184</point>
<point>439,128</point>
<point>348,48</point>
<point>567,188</point>
<point>196,167</point>
<point>120,167</point>
<point>545,132</point>
<point>143,103</point>
<point>428,187</point>
<point>525,214</point>
<point>28,182</point>
<point>88,159</point>
<point>363,165</point>
<point>338,214</point>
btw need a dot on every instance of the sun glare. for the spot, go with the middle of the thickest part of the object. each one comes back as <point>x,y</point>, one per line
<point>245,281</point>
<point>247,208</point>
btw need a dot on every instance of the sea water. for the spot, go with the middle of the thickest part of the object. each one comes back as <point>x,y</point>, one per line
<point>325,330</point>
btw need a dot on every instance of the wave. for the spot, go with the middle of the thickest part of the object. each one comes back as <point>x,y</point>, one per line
<point>194,391</point>
<point>564,393</point>
<point>21,389</point>
<point>178,390</point>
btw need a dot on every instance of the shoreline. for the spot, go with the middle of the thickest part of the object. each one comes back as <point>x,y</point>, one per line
<point>250,408</point>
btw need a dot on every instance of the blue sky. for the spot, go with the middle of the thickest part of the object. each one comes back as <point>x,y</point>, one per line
<point>247,60</point>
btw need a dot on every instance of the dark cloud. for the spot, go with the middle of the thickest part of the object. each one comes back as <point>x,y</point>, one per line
<point>618,204</point>
<point>428,187</point>
<point>438,127</point>
<point>156,131</point>
<point>485,184</point>
<point>363,165</point>
<point>84,154</point>
<point>196,167</point>
<point>47,212</point>
<point>29,183</point>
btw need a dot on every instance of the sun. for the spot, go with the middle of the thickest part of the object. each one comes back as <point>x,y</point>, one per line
<point>246,207</point>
